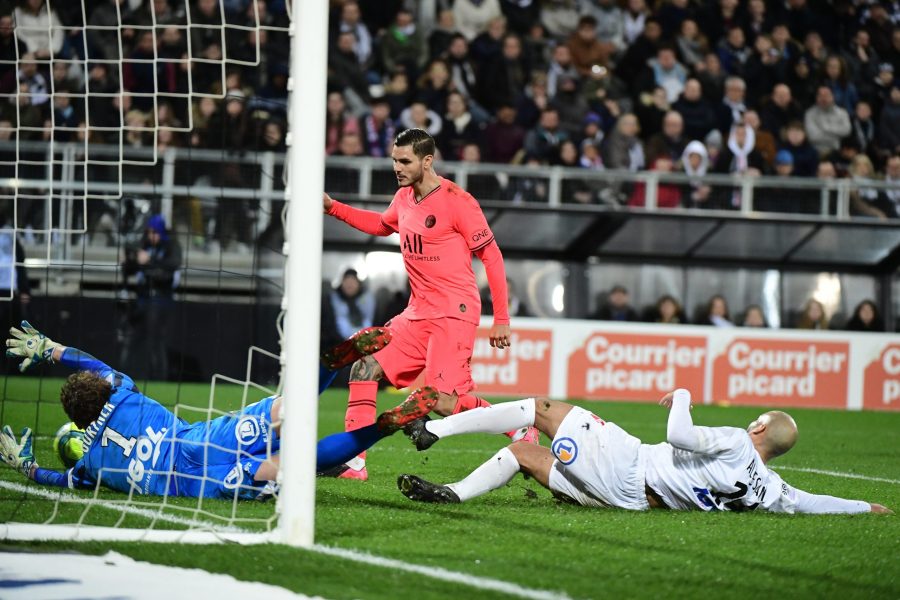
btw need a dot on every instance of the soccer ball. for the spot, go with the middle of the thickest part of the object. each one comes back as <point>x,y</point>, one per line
<point>68,444</point>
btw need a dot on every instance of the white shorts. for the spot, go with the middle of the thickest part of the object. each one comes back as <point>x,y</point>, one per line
<point>597,463</point>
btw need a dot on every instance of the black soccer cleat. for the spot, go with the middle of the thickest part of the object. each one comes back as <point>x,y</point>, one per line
<point>419,435</point>
<point>416,488</point>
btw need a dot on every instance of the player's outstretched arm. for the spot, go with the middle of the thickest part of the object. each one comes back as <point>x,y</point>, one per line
<point>492,259</point>
<point>680,430</point>
<point>819,504</point>
<point>367,221</point>
<point>20,456</point>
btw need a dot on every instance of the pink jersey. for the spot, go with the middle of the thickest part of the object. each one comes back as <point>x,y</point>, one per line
<point>438,235</point>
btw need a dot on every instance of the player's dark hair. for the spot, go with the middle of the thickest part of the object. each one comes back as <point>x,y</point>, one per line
<point>83,396</point>
<point>422,143</point>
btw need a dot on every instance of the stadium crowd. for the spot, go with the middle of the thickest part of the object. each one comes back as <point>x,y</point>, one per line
<point>801,88</point>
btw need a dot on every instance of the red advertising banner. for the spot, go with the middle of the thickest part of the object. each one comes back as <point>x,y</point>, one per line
<point>779,372</point>
<point>881,381</point>
<point>619,366</point>
<point>523,369</point>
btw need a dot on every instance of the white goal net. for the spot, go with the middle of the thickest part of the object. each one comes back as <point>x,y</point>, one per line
<point>119,116</point>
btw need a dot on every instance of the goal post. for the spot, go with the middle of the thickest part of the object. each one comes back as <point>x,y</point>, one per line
<point>303,249</point>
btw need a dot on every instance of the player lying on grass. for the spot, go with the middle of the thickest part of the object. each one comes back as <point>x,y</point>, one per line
<point>596,463</point>
<point>133,444</point>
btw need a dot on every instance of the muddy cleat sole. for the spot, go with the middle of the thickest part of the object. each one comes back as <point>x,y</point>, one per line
<point>417,405</point>
<point>416,488</point>
<point>419,435</point>
<point>362,343</point>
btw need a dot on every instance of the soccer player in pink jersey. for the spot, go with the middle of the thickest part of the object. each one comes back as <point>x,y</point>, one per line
<point>441,226</point>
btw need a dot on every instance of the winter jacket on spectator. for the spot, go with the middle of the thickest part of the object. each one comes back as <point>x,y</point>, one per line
<point>521,15</point>
<point>610,24</point>
<point>889,125</point>
<point>504,138</point>
<point>775,118</point>
<point>698,117</point>
<point>825,126</point>
<point>403,45</point>
<point>505,77</point>
<point>472,16</point>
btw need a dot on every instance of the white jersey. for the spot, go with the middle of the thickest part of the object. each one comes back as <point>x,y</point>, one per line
<point>725,472</point>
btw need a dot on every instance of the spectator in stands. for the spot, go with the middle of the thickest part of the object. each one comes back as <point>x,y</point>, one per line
<point>616,306</point>
<point>434,86</point>
<point>344,70</point>
<point>472,16</point>
<point>530,189</point>
<point>692,45</point>
<point>861,59</point>
<point>34,81</point>
<point>378,128</point>
<point>671,15</point>
<point>891,195</point>
<point>560,17</point>
<point>843,156</point>
<point>537,48</point>
<point>351,22</point>
<point>639,51</point>
<point>712,78</point>
<point>443,34</point>
<point>838,80</point>
<point>695,162</point>
<point>764,69</point>
<point>754,317</point>
<point>866,317</point>
<point>864,200</point>
<point>543,141</point>
<point>206,43</point>
<point>586,50</point>
<point>813,316</point>
<point>622,149</point>
<point>338,121</point>
<point>880,27</point>
<point>802,81</point>
<point>521,15</point>
<point>765,141</point>
<point>717,17</point>
<point>889,125</point>
<point>779,110</point>
<point>463,73</point>
<point>825,122</point>
<point>670,142</point>
<point>715,313</point>
<point>350,144</point>
<point>757,22</point>
<point>732,107</point>
<point>650,110</point>
<point>739,156</point>
<point>668,195</point>
<point>397,92</point>
<point>590,155</point>
<point>864,129</point>
<point>504,78</point>
<point>418,115</point>
<point>403,45</point>
<point>39,28</point>
<point>65,119</point>
<point>610,24</point>
<point>666,72</point>
<point>154,264</point>
<point>273,136</point>
<point>668,310</point>
<point>695,111</point>
<point>459,128</point>
<point>349,306</point>
<point>784,164</point>
<point>733,51</point>
<point>504,138</point>
<point>489,43</point>
<point>805,156</point>
<point>562,66</point>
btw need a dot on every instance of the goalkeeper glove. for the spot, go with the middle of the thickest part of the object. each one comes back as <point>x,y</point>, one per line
<point>17,455</point>
<point>31,344</point>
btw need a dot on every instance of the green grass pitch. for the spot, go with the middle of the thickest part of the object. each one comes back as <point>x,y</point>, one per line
<point>520,534</point>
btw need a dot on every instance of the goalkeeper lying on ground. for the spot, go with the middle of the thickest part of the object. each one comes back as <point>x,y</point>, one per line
<point>133,444</point>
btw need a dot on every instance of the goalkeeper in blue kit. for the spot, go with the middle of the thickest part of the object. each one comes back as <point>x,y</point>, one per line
<point>135,445</point>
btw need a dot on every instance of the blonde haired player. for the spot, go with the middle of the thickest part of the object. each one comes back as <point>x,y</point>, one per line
<point>596,463</point>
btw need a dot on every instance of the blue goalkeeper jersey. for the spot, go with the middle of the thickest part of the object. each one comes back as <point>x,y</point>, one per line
<point>129,447</point>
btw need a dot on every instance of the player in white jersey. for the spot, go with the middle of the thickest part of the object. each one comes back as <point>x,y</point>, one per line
<point>596,463</point>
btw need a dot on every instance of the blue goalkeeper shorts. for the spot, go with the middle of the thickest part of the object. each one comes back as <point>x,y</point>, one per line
<point>219,458</point>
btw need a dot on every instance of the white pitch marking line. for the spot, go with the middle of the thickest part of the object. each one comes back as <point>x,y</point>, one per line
<point>838,474</point>
<point>483,583</point>
<point>132,510</point>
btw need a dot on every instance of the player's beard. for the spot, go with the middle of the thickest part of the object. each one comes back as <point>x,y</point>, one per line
<point>412,179</point>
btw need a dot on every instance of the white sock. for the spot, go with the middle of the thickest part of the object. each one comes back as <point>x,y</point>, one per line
<point>356,463</point>
<point>493,474</point>
<point>497,418</point>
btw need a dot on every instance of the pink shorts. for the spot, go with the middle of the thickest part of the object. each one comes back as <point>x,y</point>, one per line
<point>441,347</point>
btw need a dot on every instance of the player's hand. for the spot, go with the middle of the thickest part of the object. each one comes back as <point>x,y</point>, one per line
<point>500,336</point>
<point>327,202</point>
<point>878,508</point>
<point>18,455</point>
<point>667,401</point>
<point>30,344</point>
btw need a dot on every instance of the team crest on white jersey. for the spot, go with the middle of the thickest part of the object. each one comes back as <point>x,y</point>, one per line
<point>565,450</point>
<point>247,430</point>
